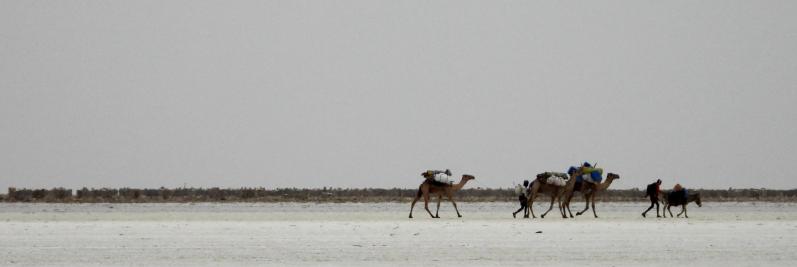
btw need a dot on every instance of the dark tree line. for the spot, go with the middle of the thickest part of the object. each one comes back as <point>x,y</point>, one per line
<point>261,194</point>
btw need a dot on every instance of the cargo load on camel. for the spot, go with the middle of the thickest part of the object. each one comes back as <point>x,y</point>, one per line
<point>588,173</point>
<point>437,176</point>
<point>553,178</point>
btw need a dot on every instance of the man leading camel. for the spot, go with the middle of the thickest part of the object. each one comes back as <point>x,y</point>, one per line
<point>653,192</point>
<point>523,196</point>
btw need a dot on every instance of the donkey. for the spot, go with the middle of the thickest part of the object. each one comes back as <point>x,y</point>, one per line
<point>669,199</point>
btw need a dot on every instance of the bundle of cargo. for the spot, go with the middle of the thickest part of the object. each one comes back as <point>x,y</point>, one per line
<point>553,178</point>
<point>588,173</point>
<point>443,177</point>
<point>677,195</point>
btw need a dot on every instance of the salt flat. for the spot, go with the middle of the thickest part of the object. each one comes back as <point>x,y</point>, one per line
<point>368,234</point>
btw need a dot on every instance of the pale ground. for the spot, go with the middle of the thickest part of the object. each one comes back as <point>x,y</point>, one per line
<point>209,234</point>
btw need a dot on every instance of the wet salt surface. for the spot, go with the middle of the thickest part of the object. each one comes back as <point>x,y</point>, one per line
<point>368,234</point>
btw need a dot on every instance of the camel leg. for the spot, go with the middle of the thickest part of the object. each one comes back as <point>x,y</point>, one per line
<point>531,203</point>
<point>561,208</point>
<point>664,210</point>
<point>685,215</point>
<point>451,198</point>
<point>567,206</point>
<point>426,204</point>
<point>437,212</point>
<point>669,210</point>
<point>553,198</point>
<point>413,204</point>
<point>586,199</point>
<point>593,205</point>
<point>569,211</point>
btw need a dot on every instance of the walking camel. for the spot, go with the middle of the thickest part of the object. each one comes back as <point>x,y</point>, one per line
<point>568,190</point>
<point>540,185</point>
<point>679,201</point>
<point>431,187</point>
<point>588,190</point>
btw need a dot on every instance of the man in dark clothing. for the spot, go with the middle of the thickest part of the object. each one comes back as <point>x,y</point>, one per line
<point>653,191</point>
<point>522,192</point>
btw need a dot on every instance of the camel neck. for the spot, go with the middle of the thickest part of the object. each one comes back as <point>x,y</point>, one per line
<point>571,183</point>
<point>461,184</point>
<point>604,185</point>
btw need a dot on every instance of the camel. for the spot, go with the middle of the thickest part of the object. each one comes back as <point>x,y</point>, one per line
<point>664,198</point>
<point>430,187</point>
<point>540,186</point>
<point>568,191</point>
<point>588,190</point>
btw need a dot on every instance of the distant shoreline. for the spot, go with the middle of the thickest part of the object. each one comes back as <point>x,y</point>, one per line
<point>343,195</point>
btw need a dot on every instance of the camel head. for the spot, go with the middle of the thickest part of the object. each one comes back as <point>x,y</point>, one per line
<point>468,177</point>
<point>612,176</point>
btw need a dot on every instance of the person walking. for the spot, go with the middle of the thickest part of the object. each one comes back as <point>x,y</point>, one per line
<point>522,191</point>
<point>652,192</point>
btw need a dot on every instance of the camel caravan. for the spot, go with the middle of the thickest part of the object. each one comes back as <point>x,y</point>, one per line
<point>586,179</point>
<point>439,183</point>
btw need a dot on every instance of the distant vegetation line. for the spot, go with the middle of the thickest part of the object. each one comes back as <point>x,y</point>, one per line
<point>260,194</point>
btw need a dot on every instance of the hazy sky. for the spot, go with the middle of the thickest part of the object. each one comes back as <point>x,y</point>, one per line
<point>370,93</point>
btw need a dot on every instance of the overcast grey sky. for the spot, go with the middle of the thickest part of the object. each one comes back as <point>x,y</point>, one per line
<point>370,93</point>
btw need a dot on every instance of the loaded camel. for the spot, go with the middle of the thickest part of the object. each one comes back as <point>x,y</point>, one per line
<point>588,190</point>
<point>541,185</point>
<point>669,199</point>
<point>431,187</point>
